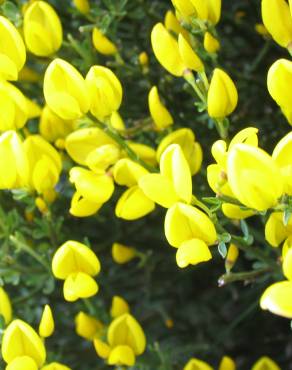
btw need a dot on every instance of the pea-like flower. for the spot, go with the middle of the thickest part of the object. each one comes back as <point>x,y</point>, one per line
<point>87,326</point>
<point>265,363</point>
<point>159,113</point>
<point>75,263</point>
<point>102,43</point>
<point>196,364</point>
<point>42,29</point>
<point>47,324</point>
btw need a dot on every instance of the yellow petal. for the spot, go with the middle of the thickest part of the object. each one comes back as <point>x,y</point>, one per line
<point>277,298</point>
<point>102,348</point>
<point>82,207</point>
<point>265,363</point>
<point>190,59</point>
<point>22,362</point>
<point>47,324</point>
<point>55,366</point>
<point>192,252</point>
<point>119,306</point>
<point>87,326</point>
<point>275,230</point>
<point>102,44</point>
<point>5,306</point>
<point>195,364</point>
<point>127,172</point>
<point>79,285</point>
<point>122,254</point>
<point>122,355</point>
<point>227,364</point>
<point>159,113</point>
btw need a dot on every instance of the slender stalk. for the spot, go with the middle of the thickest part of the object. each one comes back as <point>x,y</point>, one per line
<point>189,77</point>
<point>242,276</point>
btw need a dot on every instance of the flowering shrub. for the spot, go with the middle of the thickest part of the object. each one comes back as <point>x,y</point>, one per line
<point>128,128</point>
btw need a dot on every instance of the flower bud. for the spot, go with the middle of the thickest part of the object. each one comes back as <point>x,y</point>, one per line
<point>42,29</point>
<point>12,51</point>
<point>20,339</point>
<point>190,59</point>
<point>184,222</point>
<point>102,44</point>
<point>249,170</point>
<point>159,113</point>
<point>222,95</point>
<point>65,90</point>
<point>82,5</point>
<point>119,307</point>
<point>211,44</point>
<point>195,364</point>
<point>265,363</point>
<point>227,364</point>
<point>87,326</point>
<point>278,21</point>
<point>47,324</point>
<point>122,254</point>
<point>105,92</point>
<point>143,59</point>
<point>5,306</point>
<point>117,122</point>
<point>166,50</point>
<point>279,81</point>
<point>231,258</point>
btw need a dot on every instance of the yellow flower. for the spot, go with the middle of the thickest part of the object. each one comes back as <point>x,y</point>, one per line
<point>166,50</point>
<point>102,44</point>
<point>265,363</point>
<point>82,5</point>
<point>214,11</point>
<point>75,263</point>
<point>234,211</point>
<point>230,260</point>
<point>277,298</point>
<point>279,80</point>
<point>102,157</point>
<point>42,29</point>
<point>249,170</point>
<point>277,20</point>
<point>211,44</point>
<point>12,51</point>
<point>20,339</point>
<point>122,254</point>
<point>159,113</point>
<point>47,324</point>
<point>184,222</point>
<point>22,362</point>
<point>5,306</point>
<point>52,127</point>
<point>287,264</point>
<point>275,230</point>
<point>143,59</point>
<point>195,8</point>
<point>105,91</point>
<point>65,90</point>
<point>127,172</point>
<point>55,366</point>
<point>14,171</point>
<point>82,207</point>
<point>190,59</point>
<point>172,24</point>
<point>222,95</point>
<point>87,326</point>
<point>13,107</point>
<point>145,152</point>
<point>79,144</point>
<point>119,307</point>
<point>192,150</point>
<point>195,364</point>
<point>192,252</point>
<point>174,183</point>
<point>116,121</point>
<point>227,364</point>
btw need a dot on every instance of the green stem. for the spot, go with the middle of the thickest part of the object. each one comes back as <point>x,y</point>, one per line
<point>204,78</point>
<point>24,247</point>
<point>241,276</point>
<point>122,143</point>
<point>189,77</point>
<point>89,306</point>
<point>222,127</point>
<point>261,55</point>
<point>196,202</point>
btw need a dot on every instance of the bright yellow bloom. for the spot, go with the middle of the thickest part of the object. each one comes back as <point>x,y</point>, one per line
<point>52,127</point>
<point>190,59</point>
<point>287,264</point>
<point>227,364</point>
<point>82,5</point>
<point>102,44</point>
<point>87,326</point>
<point>122,254</point>
<point>184,222</point>
<point>211,44</point>
<point>44,163</point>
<point>145,152</point>
<point>192,150</point>
<point>95,187</point>
<point>55,366</point>
<point>22,362</point>
<point>79,144</point>
<point>261,29</point>
<point>119,307</point>
<point>42,29</point>
<point>277,298</point>
<point>105,91</point>
<point>231,258</point>
<point>279,80</point>
<point>174,183</point>
<point>249,170</point>
<point>47,324</point>
<point>192,252</point>
<point>20,339</point>
<point>14,171</point>
<point>116,121</point>
<point>127,172</point>
<point>102,349</point>
<point>214,11</point>
<point>5,306</point>
<point>195,364</point>
<point>12,51</point>
<point>13,107</point>
<point>222,95</point>
<point>277,20</point>
<point>265,363</point>
<point>235,212</point>
<point>159,113</point>
<point>195,8</point>
<point>172,24</point>
<point>102,157</point>
<point>166,50</point>
<point>75,263</point>
<point>275,230</point>
<point>65,90</point>
<point>82,207</point>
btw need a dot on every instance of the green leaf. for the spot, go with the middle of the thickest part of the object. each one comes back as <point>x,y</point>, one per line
<point>286,216</point>
<point>222,249</point>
